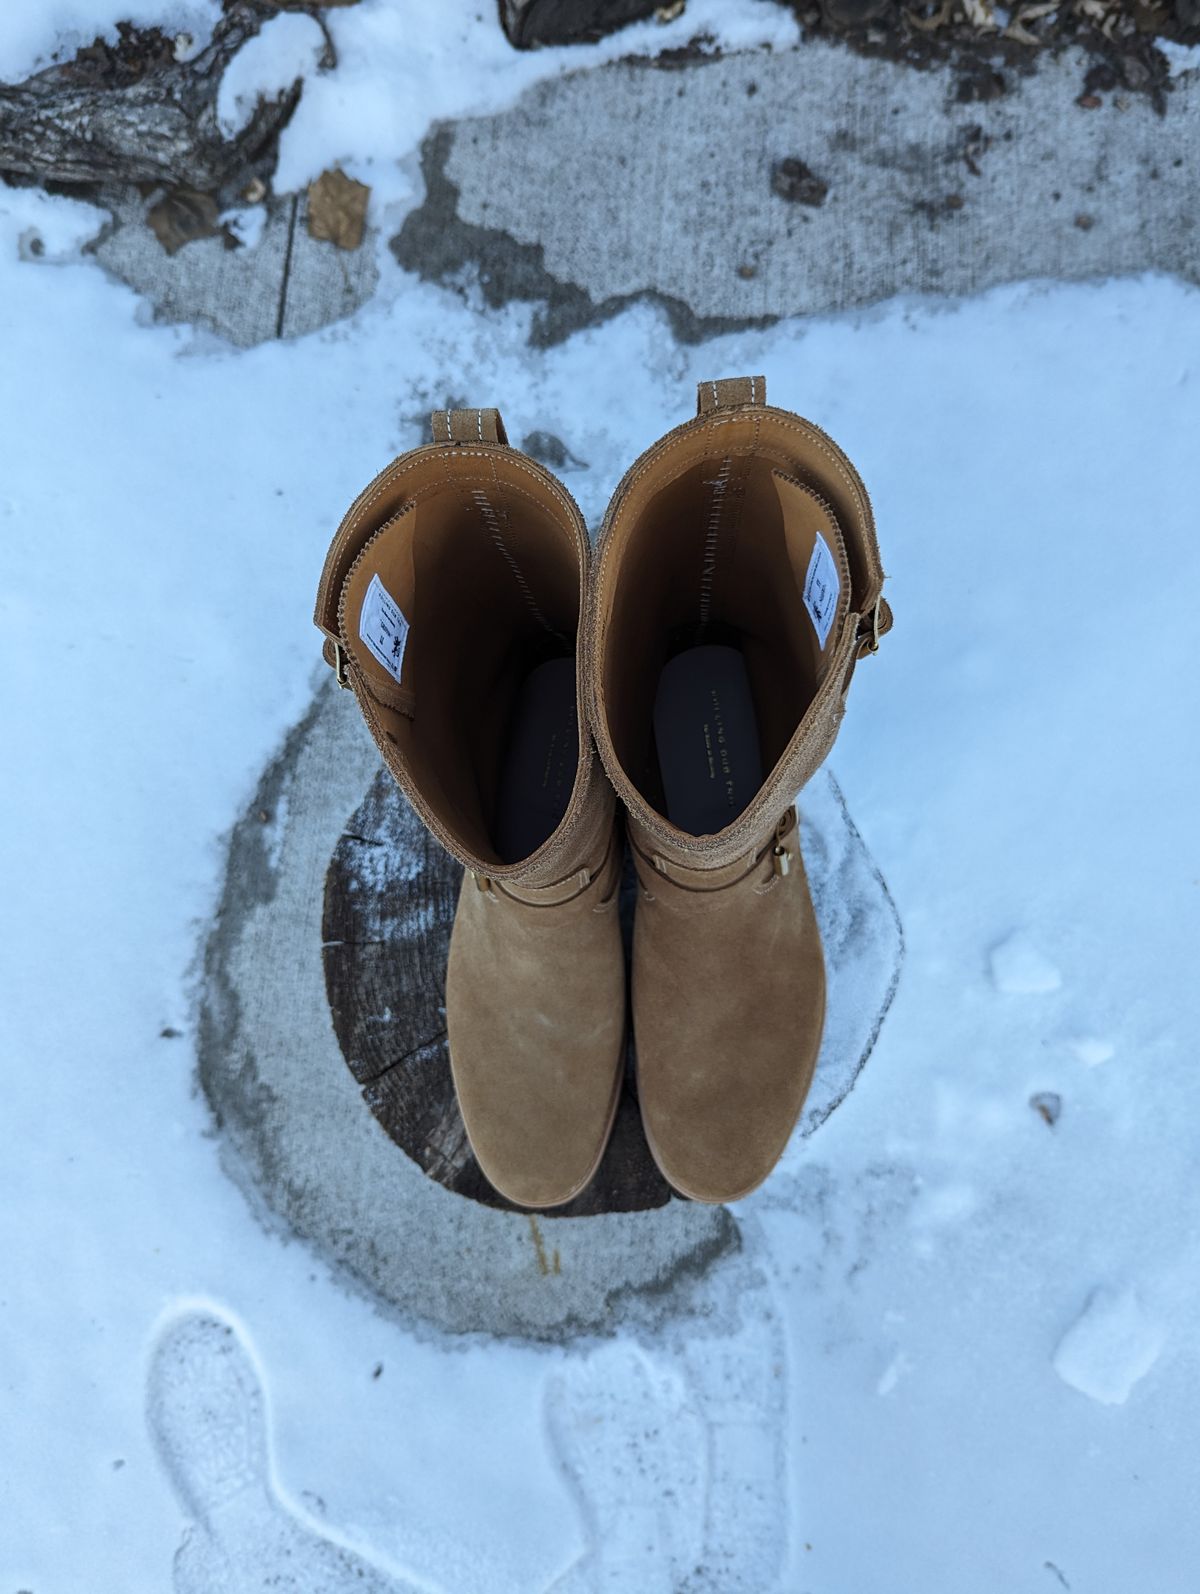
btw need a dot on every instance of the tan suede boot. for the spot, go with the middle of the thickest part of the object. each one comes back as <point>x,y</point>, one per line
<point>450,601</point>
<point>737,584</point>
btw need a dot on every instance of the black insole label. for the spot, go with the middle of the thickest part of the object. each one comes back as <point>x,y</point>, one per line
<point>540,761</point>
<point>706,734</point>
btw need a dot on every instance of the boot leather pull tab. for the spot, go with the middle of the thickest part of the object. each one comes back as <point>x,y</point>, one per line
<point>730,393</point>
<point>468,426</point>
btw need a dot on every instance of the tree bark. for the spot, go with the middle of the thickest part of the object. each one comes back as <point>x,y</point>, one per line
<point>101,118</point>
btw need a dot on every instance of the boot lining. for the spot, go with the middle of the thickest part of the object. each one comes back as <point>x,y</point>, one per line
<point>487,577</point>
<point>717,556</point>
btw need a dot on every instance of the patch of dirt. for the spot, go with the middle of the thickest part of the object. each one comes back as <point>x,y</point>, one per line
<point>988,44</point>
<point>115,66</point>
<point>797,183</point>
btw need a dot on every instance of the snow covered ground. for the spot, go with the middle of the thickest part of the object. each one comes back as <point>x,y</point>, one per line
<point>960,1347</point>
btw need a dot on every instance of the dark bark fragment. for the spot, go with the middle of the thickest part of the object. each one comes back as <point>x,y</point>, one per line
<point>132,113</point>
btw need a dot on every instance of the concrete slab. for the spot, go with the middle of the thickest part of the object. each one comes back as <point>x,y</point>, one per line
<point>667,194</point>
<point>284,285</point>
<point>669,197</point>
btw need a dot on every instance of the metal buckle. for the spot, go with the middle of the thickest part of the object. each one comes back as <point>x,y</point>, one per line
<point>340,666</point>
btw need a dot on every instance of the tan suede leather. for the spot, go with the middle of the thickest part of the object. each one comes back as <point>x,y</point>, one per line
<point>709,536</point>
<point>485,556</point>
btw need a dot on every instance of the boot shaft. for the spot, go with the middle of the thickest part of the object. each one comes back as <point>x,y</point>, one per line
<point>450,602</point>
<point>746,532</point>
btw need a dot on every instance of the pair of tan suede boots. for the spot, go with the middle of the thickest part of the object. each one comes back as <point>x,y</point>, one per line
<point>705,650</point>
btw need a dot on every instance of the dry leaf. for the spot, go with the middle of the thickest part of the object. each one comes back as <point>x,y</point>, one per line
<point>792,180</point>
<point>182,216</point>
<point>337,209</point>
<point>1048,1106</point>
<point>927,24</point>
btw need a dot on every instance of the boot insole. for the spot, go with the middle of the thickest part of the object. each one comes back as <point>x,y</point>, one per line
<point>540,761</point>
<point>706,733</point>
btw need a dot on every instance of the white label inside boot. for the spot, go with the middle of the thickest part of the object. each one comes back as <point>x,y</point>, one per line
<point>383,628</point>
<point>822,588</point>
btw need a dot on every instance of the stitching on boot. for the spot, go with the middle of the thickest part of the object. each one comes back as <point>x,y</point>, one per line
<point>392,474</point>
<point>716,510</point>
<point>803,428</point>
<point>505,516</point>
<point>492,522</point>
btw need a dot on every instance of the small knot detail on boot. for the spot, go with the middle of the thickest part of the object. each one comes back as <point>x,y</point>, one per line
<point>608,903</point>
<point>870,629</point>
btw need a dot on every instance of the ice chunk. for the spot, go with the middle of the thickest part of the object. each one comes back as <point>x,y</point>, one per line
<point>1091,1049</point>
<point>1110,1347</point>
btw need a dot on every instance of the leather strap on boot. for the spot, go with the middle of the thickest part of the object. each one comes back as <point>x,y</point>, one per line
<point>663,878</point>
<point>730,393</point>
<point>594,885</point>
<point>468,426</point>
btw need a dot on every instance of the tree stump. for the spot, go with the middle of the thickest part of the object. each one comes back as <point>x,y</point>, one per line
<point>390,895</point>
<point>329,946</point>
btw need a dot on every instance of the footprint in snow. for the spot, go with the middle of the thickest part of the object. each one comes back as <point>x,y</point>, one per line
<point>1019,968</point>
<point>205,1412</point>
<point>678,1466</point>
<point>1109,1348</point>
<point>740,1384</point>
<point>631,1445</point>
